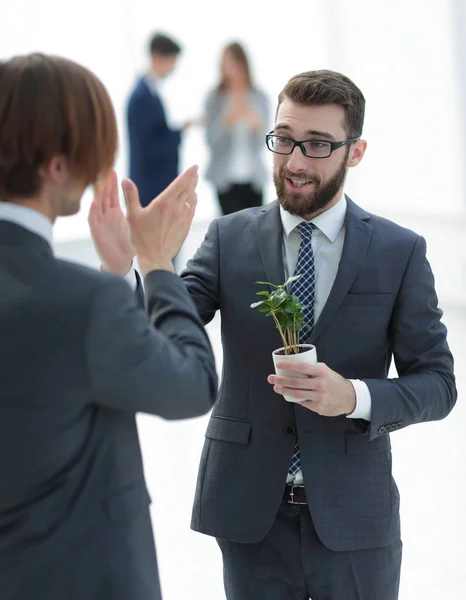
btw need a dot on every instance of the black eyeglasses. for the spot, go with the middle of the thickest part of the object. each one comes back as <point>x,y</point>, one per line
<point>281,144</point>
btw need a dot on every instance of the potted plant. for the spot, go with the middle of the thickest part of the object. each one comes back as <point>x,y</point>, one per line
<point>288,315</point>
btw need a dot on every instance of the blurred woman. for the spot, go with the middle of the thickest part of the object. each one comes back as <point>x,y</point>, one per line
<point>236,119</point>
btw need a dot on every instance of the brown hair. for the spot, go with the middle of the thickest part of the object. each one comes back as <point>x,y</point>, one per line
<point>328,87</point>
<point>239,54</point>
<point>52,106</point>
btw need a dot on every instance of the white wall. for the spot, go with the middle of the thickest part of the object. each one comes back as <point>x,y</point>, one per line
<point>399,52</point>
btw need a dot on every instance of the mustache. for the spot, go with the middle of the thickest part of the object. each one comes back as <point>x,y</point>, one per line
<point>300,176</point>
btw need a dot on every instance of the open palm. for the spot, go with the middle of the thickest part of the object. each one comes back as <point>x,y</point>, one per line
<point>109,227</point>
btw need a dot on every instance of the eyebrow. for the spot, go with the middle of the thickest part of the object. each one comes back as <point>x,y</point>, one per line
<point>313,132</point>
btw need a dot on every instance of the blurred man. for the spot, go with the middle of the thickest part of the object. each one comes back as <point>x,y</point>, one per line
<point>78,356</point>
<point>153,143</point>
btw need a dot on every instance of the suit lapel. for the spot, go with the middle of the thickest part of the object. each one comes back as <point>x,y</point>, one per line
<point>358,232</point>
<point>269,235</point>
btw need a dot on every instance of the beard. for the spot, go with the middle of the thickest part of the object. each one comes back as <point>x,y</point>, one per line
<point>303,205</point>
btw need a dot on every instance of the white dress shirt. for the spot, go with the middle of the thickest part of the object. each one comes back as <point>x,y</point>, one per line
<point>158,87</point>
<point>327,245</point>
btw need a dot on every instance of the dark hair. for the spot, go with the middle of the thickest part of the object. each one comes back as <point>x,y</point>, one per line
<point>328,87</point>
<point>52,106</point>
<point>239,54</point>
<point>163,45</point>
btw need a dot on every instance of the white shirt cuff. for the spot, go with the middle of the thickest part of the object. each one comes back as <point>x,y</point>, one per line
<point>363,401</point>
<point>131,278</point>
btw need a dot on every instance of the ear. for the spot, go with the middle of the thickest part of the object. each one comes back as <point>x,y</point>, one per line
<point>356,153</point>
<point>56,170</point>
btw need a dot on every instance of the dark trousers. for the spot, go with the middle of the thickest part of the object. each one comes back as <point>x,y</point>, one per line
<point>237,197</point>
<point>291,563</point>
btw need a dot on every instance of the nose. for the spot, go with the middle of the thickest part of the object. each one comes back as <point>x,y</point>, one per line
<point>297,161</point>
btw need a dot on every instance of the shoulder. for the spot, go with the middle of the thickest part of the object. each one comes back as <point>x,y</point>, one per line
<point>214,97</point>
<point>396,232</point>
<point>381,226</point>
<point>260,96</point>
<point>259,93</point>
<point>140,93</point>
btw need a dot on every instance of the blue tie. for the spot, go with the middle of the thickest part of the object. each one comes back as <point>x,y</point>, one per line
<point>303,289</point>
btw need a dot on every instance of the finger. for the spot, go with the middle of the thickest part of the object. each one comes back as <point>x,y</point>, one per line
<point>186,195</point>
<point>94,213</point>
<point>300,395</point>
<point>130,191</point>
<point>186,180</point>
<point>300,383</point>
<point>96,204</point>
<point>106,188</point>
<point>114,200</point>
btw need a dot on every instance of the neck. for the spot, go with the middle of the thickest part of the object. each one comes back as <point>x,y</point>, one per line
<point>237,87</point>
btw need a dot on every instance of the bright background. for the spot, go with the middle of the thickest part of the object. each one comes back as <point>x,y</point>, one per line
<point>408,57</point>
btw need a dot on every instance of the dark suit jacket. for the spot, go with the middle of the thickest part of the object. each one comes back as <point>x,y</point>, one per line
<point>153,147</point>
<point>382,305</point>
<point>78,359</point>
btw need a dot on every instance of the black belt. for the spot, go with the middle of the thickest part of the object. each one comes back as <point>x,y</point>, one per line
<point>294,494</point>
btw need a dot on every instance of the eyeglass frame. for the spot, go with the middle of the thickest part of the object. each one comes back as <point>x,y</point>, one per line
<point>333,145</point>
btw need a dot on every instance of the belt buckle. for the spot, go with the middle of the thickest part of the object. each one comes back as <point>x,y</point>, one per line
<point>292,501</point>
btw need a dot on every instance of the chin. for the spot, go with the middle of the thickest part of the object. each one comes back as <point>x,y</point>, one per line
<point>70,209</point>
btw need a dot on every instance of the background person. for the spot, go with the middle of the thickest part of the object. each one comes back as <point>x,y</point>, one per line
<point>236,119</point>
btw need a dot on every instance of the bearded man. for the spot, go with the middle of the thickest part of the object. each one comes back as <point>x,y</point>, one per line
<point>300,496</point>
<point>327,527</point>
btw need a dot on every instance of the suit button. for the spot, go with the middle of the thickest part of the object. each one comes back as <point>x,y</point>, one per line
<point>382,429</point>
<point>393,427</point>
<point>290,429</point>
<point>399,425</point>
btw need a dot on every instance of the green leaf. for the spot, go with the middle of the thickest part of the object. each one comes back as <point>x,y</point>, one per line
<point>291,279</point>
<point>264,308</point>
<point>267,283</point>
<point>267,294</point>
<point>256,304</point>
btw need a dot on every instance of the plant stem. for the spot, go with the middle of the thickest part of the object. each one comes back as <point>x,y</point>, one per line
<point>277,324</point>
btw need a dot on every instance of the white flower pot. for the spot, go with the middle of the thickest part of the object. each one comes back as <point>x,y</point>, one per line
<point>309,357</point>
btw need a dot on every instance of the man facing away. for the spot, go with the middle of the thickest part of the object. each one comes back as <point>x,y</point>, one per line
<point>153,143</point>
<point>79,356</point>
<point>301,497</point>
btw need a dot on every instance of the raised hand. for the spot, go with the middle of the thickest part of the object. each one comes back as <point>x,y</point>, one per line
<point>109,228</point>
<point>159,229</point>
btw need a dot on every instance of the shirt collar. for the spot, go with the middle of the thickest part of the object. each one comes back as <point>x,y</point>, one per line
<point>28,218</point>
<point>329,222</point>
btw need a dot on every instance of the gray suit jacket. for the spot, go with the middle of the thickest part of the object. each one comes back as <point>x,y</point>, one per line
<point>382,305</point>
<point>78,359</point>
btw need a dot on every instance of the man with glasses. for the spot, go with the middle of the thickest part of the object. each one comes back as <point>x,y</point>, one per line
<point>328,528</point>
<point>300,496</point>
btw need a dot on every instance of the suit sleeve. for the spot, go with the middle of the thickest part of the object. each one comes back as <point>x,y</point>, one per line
<point>162,365</point>
<point>201,275</point>
<point>148,129</point>
<point>425,389</point>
